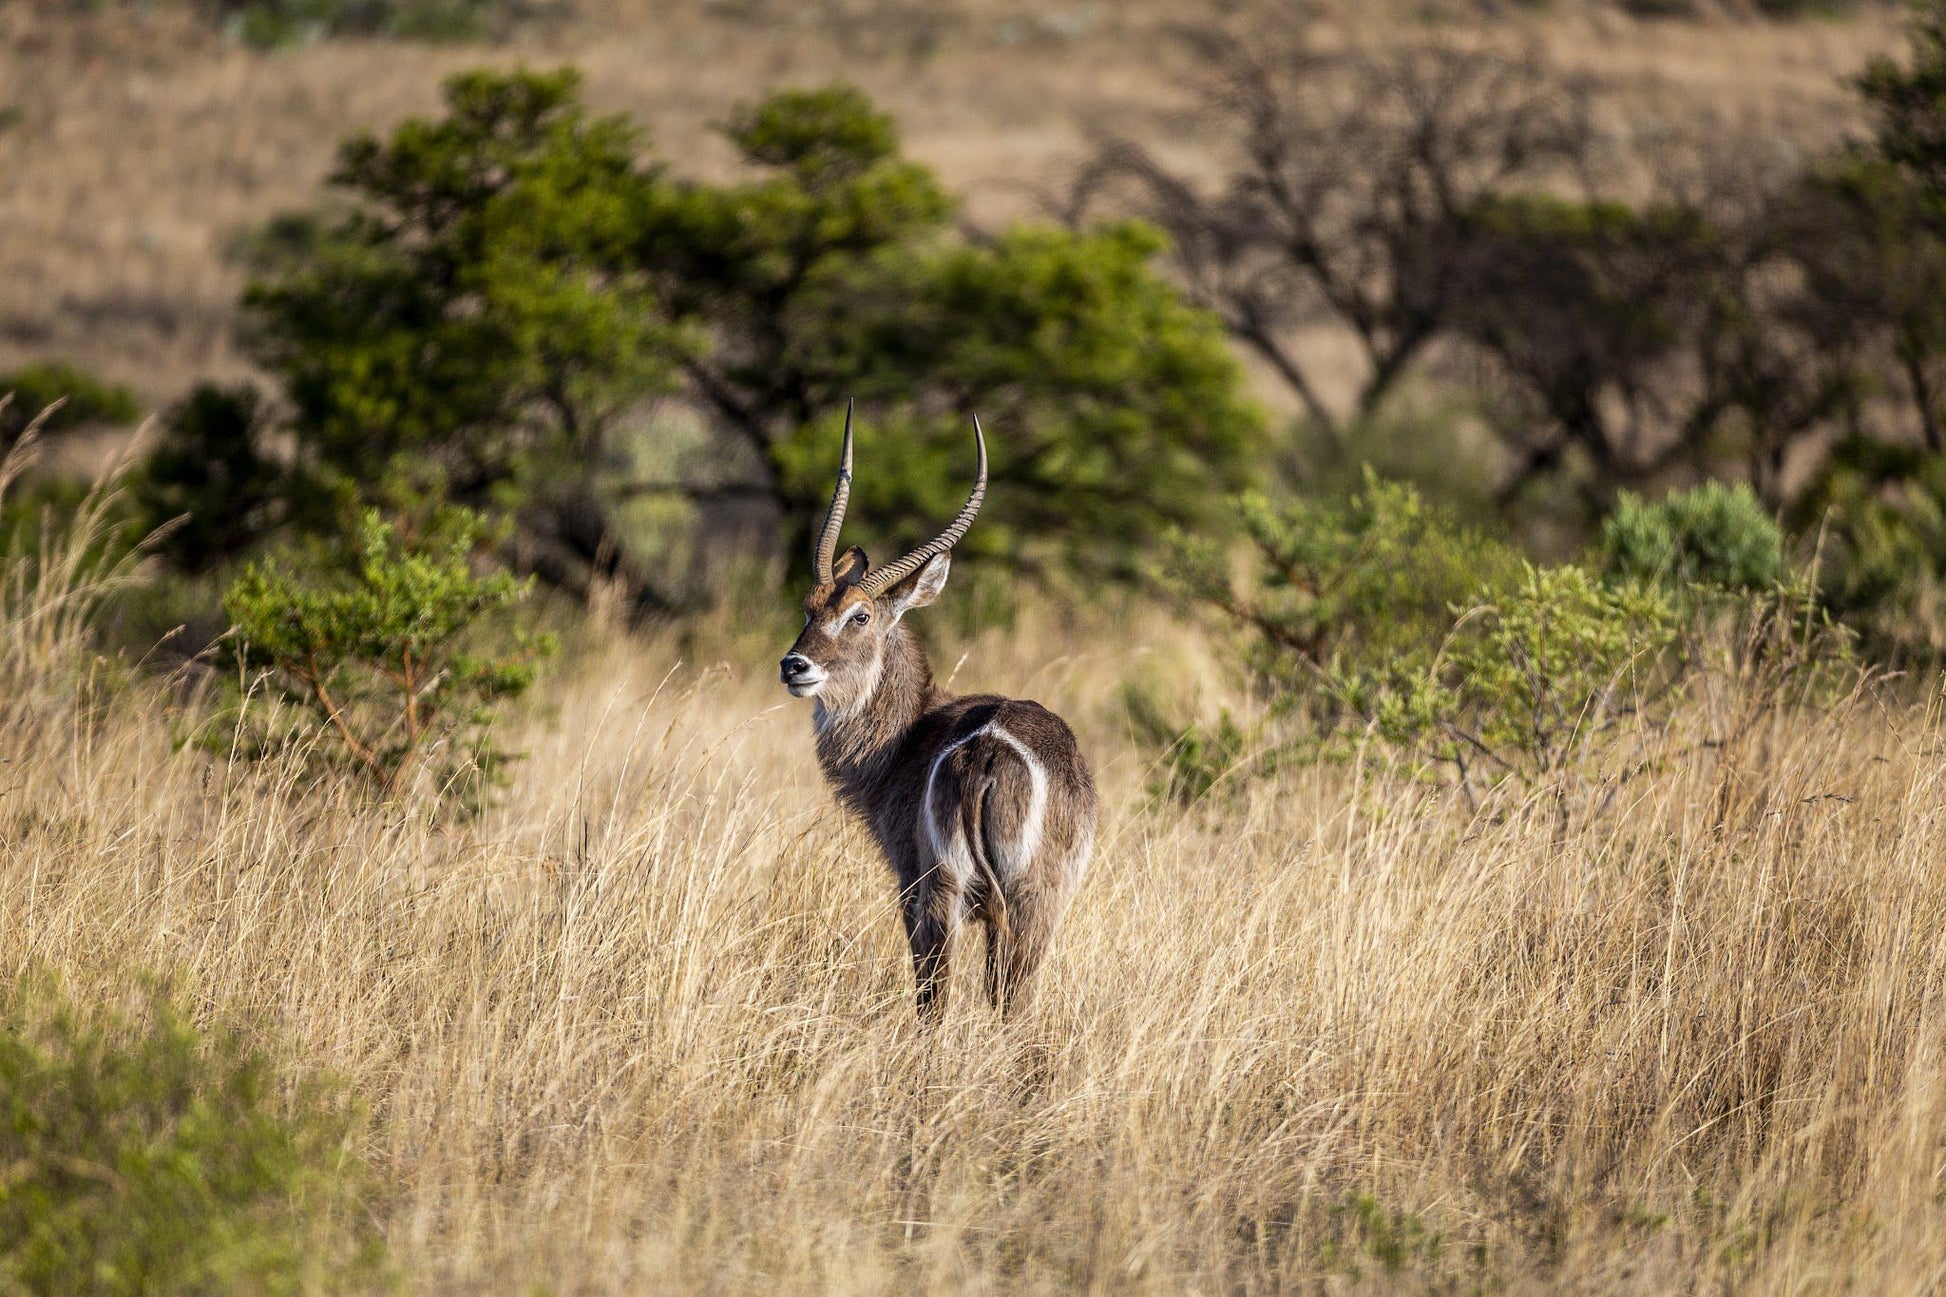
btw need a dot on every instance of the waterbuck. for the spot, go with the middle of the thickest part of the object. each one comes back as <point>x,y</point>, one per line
<point>982,805</point>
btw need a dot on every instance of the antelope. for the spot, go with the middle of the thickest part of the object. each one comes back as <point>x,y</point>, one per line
<point>983,806</point>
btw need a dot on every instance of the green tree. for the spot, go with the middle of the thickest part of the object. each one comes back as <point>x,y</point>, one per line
<point>1114,406</point>
<point>1583,306</point>
<point>1870,269</point>
<point>516,278</point>
<point>478,323</point>
<point>377,645</point>
<point>209,485</point>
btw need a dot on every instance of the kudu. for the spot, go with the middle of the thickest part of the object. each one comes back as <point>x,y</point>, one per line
<point>983,805</point>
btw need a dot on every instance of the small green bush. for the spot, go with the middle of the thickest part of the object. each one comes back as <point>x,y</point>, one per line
<point>375,643</point>
<point>1537,680</point>
<point>85,399</point>
<point>1880,515</point>
<point>208,481</point>
<point>1714,535</point>
<point>1324,591</point>
<point>1380,617</point>
<point>1358,580</point>
<point>140,1155</point>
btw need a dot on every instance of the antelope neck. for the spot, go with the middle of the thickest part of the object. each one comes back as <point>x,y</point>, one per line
<point>856,746</point>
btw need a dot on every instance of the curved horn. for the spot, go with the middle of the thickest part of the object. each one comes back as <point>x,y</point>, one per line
<point>881,579</point>
<point>834,517</point>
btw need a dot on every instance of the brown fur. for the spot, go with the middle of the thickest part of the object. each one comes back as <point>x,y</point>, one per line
<point>889,739</point>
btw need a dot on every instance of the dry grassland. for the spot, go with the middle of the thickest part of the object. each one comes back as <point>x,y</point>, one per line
<point>143,144</point>
<point>646,1027</point>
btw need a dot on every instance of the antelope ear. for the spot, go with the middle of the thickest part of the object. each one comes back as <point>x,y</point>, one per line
<point>921,588</point>
<point>850,568</point>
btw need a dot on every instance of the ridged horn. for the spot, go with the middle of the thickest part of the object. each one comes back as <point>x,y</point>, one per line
<point>834,518</point>
<point>881,579</point>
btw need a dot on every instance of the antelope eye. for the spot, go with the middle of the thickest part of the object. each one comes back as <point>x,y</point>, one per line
<point>862,616</point>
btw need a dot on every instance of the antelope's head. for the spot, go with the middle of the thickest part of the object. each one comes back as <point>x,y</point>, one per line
<point>854,609</point>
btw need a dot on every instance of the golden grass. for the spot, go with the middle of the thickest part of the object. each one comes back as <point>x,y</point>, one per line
<point>646,1026</point>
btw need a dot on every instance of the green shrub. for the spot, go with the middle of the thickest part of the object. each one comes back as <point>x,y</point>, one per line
<point>374,644</point>
<point>208,480</point>
<point>1539,679</point>
<point>1355,581</point>
<point>1323,591</point>
<point>140,1155</point>
<point>85,400</point>
<point>1713,535</point>
<point>1880,515</point>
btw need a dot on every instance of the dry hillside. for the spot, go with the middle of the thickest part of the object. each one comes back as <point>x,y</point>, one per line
<point>139,143</point>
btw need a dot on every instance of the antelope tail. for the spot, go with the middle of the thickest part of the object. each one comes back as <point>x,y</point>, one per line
<point>973,824</point>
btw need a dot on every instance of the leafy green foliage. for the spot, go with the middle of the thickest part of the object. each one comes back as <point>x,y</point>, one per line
<point>1908,103</point>
<point>1330,594</point>
<point>1880,514</point>
<point>515,280</point>
<point>140,1155</point>
<point>478,321</point>
<point>1355,581</point>
<point>1538,678</point>
<point>373,646</point>
<point>1712,535</point>
<point>85,400</point>
<point>1111,407</point>
<point>208,481</point>
<point>1379,618</point>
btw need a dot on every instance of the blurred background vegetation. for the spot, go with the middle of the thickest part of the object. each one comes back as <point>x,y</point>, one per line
<point>1350,319</point>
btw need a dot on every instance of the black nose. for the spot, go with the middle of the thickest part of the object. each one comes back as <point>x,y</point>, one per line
<point>793,666</point>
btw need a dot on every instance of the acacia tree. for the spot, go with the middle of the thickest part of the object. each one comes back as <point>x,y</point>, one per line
<point>477,322</point>
<point>514,280</point>
<point>1583,308</point>
<point>836,271</point>
<point>1432,199</point>
<point>1687,336</point>
<point>1349,177</point>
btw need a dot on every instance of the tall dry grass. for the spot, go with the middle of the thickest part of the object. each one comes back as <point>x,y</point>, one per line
<point>646,1027</point>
